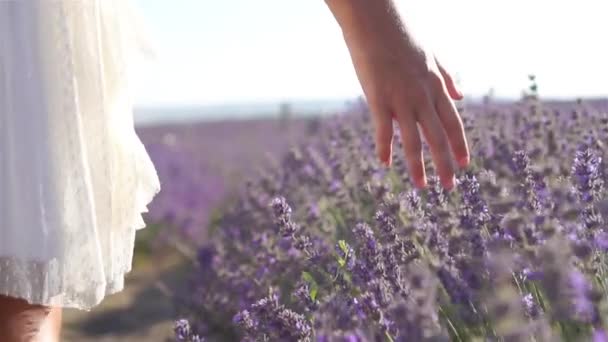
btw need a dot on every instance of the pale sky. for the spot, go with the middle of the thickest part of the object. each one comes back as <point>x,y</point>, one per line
<point>225,51</point>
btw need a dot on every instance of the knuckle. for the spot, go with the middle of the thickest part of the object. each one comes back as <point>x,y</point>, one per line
<point>418,96</point>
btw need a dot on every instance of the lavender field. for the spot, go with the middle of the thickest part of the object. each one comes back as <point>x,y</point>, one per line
<point>201,166</point>
<point>327,245</point>
<point>291,231</point>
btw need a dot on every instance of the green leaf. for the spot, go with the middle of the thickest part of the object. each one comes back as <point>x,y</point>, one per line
<point>307,277</point>
<point>312,284</point>
<point>341,262</point>
<point>313,293</point>
<point>343,246</point>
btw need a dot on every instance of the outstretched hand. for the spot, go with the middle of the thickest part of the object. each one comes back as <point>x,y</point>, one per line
<point>404,82</point>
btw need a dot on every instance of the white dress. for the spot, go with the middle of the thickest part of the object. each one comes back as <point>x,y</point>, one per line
<point>74,176</point>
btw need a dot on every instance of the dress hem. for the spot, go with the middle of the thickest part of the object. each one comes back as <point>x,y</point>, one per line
<point>103,290</point>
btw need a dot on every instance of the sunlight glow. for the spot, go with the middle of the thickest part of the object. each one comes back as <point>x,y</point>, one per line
<point>240,50</point>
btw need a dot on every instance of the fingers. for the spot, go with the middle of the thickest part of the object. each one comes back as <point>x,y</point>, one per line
<point>412,147</point>
<point>383,123</point>
<point>455,94</point>
<point>430,107</point>
<point>448,114</point>
<point>454,129</point>
<point>438,142</point>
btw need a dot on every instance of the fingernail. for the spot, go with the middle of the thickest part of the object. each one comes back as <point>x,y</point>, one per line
<point>464,161</point>
<point>386,162</point>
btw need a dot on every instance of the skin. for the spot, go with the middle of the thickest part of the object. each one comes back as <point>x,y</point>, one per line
<point>21,321</point>
<point>403,82</point>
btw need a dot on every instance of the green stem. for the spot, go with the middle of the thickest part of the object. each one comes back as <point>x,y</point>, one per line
<point>539,297</point>
<point>517,283</point>
<point>452,327</point>
<point>565,333</point>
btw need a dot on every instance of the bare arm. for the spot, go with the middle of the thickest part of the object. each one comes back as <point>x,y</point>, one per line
<point>402,81</point>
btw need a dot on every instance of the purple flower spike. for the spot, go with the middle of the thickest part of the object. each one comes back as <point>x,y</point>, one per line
<point>182,330</point>
<point>599,335</point>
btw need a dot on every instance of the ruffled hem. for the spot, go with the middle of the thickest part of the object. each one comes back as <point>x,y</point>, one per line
<point>39,273</point>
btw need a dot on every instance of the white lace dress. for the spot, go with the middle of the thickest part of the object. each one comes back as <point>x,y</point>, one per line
<point>74,176</point>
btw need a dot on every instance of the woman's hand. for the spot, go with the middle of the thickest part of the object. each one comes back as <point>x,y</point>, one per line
<point>403,81</point>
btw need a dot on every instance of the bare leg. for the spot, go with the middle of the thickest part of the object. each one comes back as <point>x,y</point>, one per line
<point>23,322</point>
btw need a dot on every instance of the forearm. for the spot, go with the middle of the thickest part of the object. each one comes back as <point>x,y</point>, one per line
<point>366,20</point>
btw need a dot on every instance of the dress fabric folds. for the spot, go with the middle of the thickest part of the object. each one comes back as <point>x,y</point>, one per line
<point>74,176</point>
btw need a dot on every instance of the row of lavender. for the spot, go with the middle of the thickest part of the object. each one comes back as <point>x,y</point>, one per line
<point>330,246</point>
<point>200,164</point>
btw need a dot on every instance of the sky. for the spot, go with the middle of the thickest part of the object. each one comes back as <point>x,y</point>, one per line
<point>236,51</point>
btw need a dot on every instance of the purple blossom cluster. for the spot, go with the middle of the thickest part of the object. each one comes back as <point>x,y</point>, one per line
<point>328,245</point>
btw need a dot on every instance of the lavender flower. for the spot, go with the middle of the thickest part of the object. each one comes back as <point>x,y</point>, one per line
<point>369,264</point>
<point>414,202</point>
<point>282,212</point>
<point>437,196</point>
<point>184,333</point>
<point>273,321</point>
<point>417,319</point>
<point>182,330</point>
<point>532,308</point>
<point>586,174</point>
<point>532,188</point>
<point>599,335</point>
<point>580,290</point>
<point>346,255</point>
<point>369,307</point>
<point>474,213</point>
<point>303,294</point>
<point>244,320</point>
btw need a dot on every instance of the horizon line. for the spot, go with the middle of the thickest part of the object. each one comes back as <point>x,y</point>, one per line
<point>345,100</point>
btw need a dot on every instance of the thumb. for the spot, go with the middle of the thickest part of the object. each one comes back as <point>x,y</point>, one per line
<point>453,90</point>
